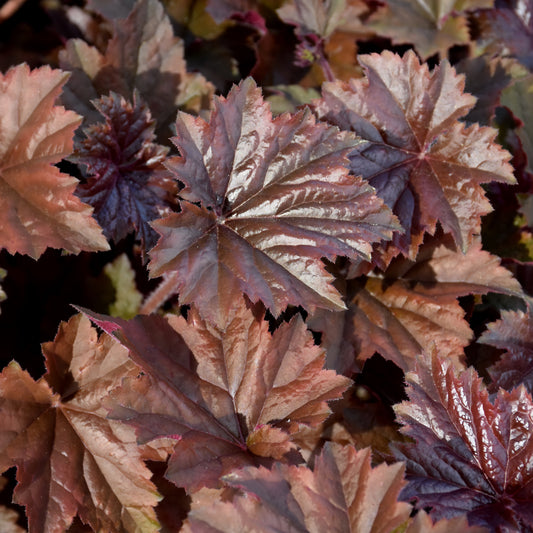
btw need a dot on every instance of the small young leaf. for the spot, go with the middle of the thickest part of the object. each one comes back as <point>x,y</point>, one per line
<point>127,183</point>
<point>127,297</point>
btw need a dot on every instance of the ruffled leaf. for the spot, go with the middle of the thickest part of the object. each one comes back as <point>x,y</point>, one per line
<point>425,164</point>
<point>264,200</point>
<point>470,455</point>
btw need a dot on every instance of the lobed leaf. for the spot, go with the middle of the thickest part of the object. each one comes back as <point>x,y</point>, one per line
<point>71,460</point>
<point>470,455</point>
<point>144,55</point>
<point>507,30</point>
<point>412,306</point>
<point>514,334</point>
<point>229,396</point>
<point>342,493</point>
<point>264,200</point>
<point>37,206</point>
<point>426,165</point>
<point>432,27</point>
<point>127,183</point>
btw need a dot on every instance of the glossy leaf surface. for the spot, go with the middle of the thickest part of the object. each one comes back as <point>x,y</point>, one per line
<point>228,396</point>
<point>126,184</point>
<point>425,164</point>
<point>342,493</point>
<point>471,455</point>
<point>265,200</point>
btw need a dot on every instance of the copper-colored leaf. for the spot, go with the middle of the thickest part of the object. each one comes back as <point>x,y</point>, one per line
<point>470,454</point>
<point>425,164</point>
<point>342,493</point>
<point>37,206</point>
<point>413,305</point>
<point>514,334</point>
<point>274,199</point>
<point>216,391</point>
<point>71,460</point>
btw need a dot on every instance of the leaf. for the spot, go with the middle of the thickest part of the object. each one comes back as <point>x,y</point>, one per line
<point>142,54</point>
<point>413,305</point>
<point>485,78</point>
<point>127,184</point>
<point>514,334</point>
<point>342,493</point>
<point>432,27</point>
<point>518,97</point>
<point>127,297</point>
<point>424,163</point>
<point>274,198</point>
<point>470,455</point>
<point>507,30</point>
<point>224,394</point>
<point>71,459</point>
<point>314,16</point>
<point>37,205</point>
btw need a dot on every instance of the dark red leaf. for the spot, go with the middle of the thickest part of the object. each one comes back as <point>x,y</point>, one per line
<point>514,334</point>
<point>127,182</point>
<point>507,30</point>
<point>274,198</point>
<point>471,455</point>
<point>228,396</point>
<point>425,164</point>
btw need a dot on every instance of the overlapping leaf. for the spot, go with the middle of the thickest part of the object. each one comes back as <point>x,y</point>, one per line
<point>470,455</point>
<point>37,206</point>
<point>432,27</point>
<point>518,97</point>
<point>507,30</point>
<point>413,305</point>
<point>422,161</point>
<point>126,184</point>
<point>514,334</point>
<point>143,54</point>
<point>265,200</point>
<point>342,493</point>
<point>228,396</point>
<point>72,460</point>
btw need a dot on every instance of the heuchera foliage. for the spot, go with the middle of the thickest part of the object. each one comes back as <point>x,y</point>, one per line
<point>241,281</point>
